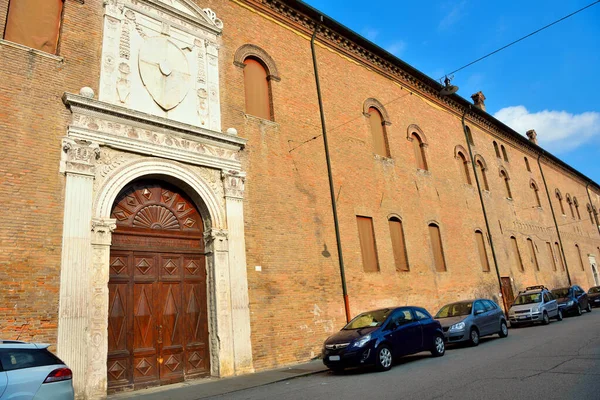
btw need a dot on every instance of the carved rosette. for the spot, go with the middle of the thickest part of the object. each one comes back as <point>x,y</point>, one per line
<point>79,156</point>
<point>234,183</point>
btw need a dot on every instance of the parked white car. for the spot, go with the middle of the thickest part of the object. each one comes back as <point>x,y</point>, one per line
<point>30,371</point>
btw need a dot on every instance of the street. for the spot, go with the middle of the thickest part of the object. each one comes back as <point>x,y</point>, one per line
<point>558,361</point>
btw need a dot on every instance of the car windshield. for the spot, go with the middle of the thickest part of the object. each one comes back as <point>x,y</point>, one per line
<point>594,290</point>
<point>528,298</point>
<point>369,319</point>
<point>454,310</point>
<point>561,292</point>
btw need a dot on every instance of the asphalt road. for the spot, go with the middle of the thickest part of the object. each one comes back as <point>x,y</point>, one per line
<point>558,361</point>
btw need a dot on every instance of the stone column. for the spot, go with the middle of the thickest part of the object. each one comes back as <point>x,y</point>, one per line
<point>233,183</point>
<point>77,163</point>
<point>96,384</point>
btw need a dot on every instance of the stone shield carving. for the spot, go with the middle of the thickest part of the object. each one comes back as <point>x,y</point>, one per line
<point>165,71</point>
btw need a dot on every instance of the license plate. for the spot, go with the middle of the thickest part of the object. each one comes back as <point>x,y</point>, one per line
<point>334,358</point>
<point>522,316</point>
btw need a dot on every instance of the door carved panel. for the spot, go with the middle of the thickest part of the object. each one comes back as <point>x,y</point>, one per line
<point>157,321</point>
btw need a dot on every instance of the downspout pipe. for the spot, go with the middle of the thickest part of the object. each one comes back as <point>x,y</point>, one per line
<point>331,186</point>
<point>562,249</point>
<point>485,217</point>
<point>591,205</point>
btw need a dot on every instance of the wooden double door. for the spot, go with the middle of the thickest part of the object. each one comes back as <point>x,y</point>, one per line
<point>157,322</point>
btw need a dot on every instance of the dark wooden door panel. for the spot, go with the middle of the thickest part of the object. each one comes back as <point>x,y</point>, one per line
<point>196,329</point>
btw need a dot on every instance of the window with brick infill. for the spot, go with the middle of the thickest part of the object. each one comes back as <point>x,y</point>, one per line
<point>34,23</point>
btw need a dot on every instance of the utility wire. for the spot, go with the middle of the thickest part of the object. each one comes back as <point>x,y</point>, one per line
<point>523,38</point>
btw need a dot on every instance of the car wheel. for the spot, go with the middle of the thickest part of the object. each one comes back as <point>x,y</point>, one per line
<point>474,337</point>
<point>503,329</point>
<point>559,315</point>
<point>439,347</point>
<point>589,308</point>
<point>579,312</point>
<point>545,319</point>
<point>384,358</point>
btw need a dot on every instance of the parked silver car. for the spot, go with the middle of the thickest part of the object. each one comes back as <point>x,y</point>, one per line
<point>467,321</point>
<point>534,304</point>
<point>31,371</point>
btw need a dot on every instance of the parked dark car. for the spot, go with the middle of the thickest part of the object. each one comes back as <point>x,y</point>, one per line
<point>594,296</point>
<point>379,337</point>
<point>572,300</point>
<point>467,321</point>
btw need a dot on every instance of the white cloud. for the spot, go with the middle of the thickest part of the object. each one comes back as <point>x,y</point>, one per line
<point>453,15</point>
<point>557,131</point>
<point>396,48</point>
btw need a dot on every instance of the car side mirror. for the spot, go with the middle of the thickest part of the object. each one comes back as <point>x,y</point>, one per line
<point>477,312</point>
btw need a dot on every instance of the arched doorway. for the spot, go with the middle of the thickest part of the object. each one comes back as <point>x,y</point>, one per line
<point>157,318</point>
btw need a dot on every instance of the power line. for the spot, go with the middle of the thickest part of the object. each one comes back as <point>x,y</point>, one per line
<point>523,38</point>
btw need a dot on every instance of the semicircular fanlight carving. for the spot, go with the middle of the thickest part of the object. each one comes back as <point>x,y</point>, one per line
<point>156,217</point>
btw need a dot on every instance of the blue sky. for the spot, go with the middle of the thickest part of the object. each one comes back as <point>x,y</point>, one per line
<point>549,82</point>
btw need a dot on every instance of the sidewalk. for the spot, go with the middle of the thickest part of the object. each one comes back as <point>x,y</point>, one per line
<point>210,387</point>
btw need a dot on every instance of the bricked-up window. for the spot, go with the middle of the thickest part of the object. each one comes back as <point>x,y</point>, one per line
<point>496,150</point>
<point>576,203</point>
<point>257,88</point>
<point>485,265</point>
<point>570,203</point>
<point>484,180</point>
<point>560,201</point>
<point>463,166</point>
<point>551,254</point>
<point>398,244</point>
<point>527,164</point>
<point>559,256</point>
<point>469,136</point>
<point>34,23</point>
<point>536,193</point>
<point>532,254</point>
<point>504,177</point>
<point>437,248</point>
<point>589,209</point>
<point>419,148</point>
<point>517,253</point>
<point>378,132</point>
<point>580,258</point>
<point>367,244</point>
<point>504,155</point>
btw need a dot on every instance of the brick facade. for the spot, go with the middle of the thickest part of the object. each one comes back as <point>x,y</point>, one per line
<point>296,297</point>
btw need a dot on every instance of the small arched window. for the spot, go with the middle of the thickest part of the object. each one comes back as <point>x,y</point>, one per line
<point>419,148</point>
<point>437,248</point>
<point>257,88</point>
<point>485,265</point>
<point>504,155</point>
<point>589,209</point>
<point>378,132</point>
<point>580,258</point>
<point>550,253</point>
<point>482,170</point>
<point>527,164</point>
<point>576,203</point>
<point>34,23</point>
<point>517,254</point>
<point>532,254</point>
<point>463,165</point>
<point>559,255</point>
<point>398,244</point>
<point>504,177</point>
<point>536,193</point>
<point>469,136</point>
<point>560,201</point>
<point>496,149</point>
<point>570,203</point>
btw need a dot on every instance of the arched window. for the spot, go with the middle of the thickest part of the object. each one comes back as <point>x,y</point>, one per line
<point>378,132</point>
<point>504,155</point>
<point>469,136</point>
<point>551,254</point>
<point>560,201</point>
<point>463,165</point>
<point>570,203</point>
<point>257,88</point>
<point>595,213</point>
<point>398,244</point>
<point>536,193</point>
<point>576,203</point>
<point>517,254</point>
<point>496,149</point>
<point>589,209</point>
<point>34,23</point>
<point>419,148</point>
<point>580,258</point>
<point>504,176</point>
<point>482,169</point>
<point>485,265</point>
<point>532,254</point>
<point>437,248</point>
<point>559,255</point>
<point>527,164</point>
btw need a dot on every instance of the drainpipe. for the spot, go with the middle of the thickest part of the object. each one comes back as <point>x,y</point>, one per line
<point>487,224</point>
<point>591,205</point>
<point>562,249</point>
<point>331,186</point>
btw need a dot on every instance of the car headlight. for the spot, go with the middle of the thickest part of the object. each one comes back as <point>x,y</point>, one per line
<point>362,341</point>
<point>570,303</point>
<point>535,310</point>
<point>458,327</point>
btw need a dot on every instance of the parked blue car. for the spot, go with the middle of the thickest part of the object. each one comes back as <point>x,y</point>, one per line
<point>572,300</point>
<point>379,337</point>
